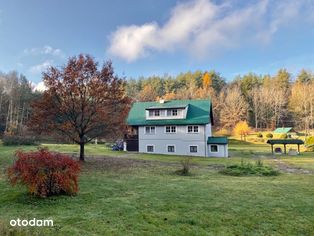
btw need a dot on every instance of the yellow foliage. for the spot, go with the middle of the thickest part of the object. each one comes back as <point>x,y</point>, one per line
<point>242,128</point>
<point>169,96</point>
<point>207,80</point>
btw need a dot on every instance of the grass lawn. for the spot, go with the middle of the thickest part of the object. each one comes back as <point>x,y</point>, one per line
<point>139,194</point>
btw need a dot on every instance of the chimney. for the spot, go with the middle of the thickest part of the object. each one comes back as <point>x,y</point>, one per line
<point>161,101</point>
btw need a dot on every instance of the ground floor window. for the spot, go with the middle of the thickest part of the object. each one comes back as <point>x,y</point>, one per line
<point>171,148</point>
<point>150,148</point>
<point>213,148</point>
<point>193,148</point>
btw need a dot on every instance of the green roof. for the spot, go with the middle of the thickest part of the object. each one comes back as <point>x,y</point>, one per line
<point>199,112</point>
<point>217,140</point>
<point>283,130</point>
<point>285,141</point>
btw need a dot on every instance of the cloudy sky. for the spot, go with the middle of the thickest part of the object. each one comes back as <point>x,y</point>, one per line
<point>154,37</point>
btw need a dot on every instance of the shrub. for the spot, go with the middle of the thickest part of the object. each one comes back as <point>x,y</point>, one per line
<point>45,173</point>
<point>13,140</point>
<point>186,166</point>
<point>247,169</point>
<point>259,135</point>
<point>269,135</point>
<point>309,144</point>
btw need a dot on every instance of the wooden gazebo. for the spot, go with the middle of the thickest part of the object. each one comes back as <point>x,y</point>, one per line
<point>285,142</point>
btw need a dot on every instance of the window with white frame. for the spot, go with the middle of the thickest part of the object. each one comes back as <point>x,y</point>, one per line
<point>193,129</point>
<point>193,149</point>
<point>172,112</point>
<point>171,148</point>
<point>156,113</point>
<point>150,129</point>
<point>171,129</point>
<point>213,148</point>
<point>151,113</point>
<point>150,148</point>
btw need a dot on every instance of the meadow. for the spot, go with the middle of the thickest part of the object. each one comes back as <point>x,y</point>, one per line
<point>140,194</point>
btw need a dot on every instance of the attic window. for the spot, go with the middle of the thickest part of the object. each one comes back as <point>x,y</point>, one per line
<point>154,113</point>
<point>172,112</point>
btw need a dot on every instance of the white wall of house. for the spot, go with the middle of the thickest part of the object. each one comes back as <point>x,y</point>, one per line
<point>222,151</point>
<point>181,140</point>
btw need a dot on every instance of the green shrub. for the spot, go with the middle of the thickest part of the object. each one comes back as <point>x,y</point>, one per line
<point>309,144</point>
<point>12,140</point>
<point>259,135</point>
<point>249,169</point>
<point>269,135</point>
<point>284,136</point>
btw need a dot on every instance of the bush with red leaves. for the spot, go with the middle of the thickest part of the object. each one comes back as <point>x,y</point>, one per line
<point>45,173</point>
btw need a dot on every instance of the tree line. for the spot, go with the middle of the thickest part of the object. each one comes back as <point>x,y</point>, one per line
<point>16,96</point>
<point>264,101</point>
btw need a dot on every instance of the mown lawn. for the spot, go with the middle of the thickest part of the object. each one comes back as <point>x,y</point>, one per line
<point>136,194</point>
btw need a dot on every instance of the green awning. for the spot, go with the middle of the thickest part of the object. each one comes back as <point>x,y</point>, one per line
<point>217,140</point>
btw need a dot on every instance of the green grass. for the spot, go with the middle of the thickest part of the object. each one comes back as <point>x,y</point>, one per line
<point>139,194</point>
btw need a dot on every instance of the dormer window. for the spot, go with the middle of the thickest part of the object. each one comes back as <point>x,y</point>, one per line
<point>154,113</point>
<point>172,112</point>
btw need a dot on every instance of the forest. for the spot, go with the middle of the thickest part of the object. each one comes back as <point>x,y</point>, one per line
<point>264,101</point>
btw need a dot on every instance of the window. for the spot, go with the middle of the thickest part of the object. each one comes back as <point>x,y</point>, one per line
<point>150,130</point>
<point>213,148</point>
<point>150,148</point>
<point>171,129</point>
<point>171,148</point>
<point>193,148</point>
<point>193,129</point>
<point>173,112</point>
<point>157,113</point>
<point>151,113</point>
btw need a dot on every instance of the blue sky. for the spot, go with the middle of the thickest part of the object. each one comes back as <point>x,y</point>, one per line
<point>150,37</point>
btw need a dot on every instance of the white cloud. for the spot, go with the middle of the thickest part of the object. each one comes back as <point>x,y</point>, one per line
<point>46,50</point>
<point>203,27</point>
<point>40,87</point>
<point>37,69</point>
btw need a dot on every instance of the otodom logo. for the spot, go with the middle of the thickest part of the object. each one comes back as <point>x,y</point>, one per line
<point>33,222</point>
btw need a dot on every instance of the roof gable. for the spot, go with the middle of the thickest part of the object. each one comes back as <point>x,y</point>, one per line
<point>199,112</point>
<point>283,130</point>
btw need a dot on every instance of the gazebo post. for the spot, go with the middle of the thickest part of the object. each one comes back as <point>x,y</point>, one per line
<point>285,149</point>
<point>299,148</point>
<point>272,149</point>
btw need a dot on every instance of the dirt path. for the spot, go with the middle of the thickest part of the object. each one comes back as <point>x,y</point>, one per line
<point>284,167</point>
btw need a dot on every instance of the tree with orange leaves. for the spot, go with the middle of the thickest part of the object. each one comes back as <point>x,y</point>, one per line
<point>207,80</point>
<point>81,102</point>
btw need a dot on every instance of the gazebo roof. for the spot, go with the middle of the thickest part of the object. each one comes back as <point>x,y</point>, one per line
<point>285,141</point>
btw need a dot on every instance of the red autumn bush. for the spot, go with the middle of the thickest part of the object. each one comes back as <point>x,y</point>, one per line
<point>45,173</point>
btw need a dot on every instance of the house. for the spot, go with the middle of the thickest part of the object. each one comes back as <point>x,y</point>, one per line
<point>180,127</point>
<point>289,131</point>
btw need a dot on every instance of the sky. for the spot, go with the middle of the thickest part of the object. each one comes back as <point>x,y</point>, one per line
<point>157,37</point>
